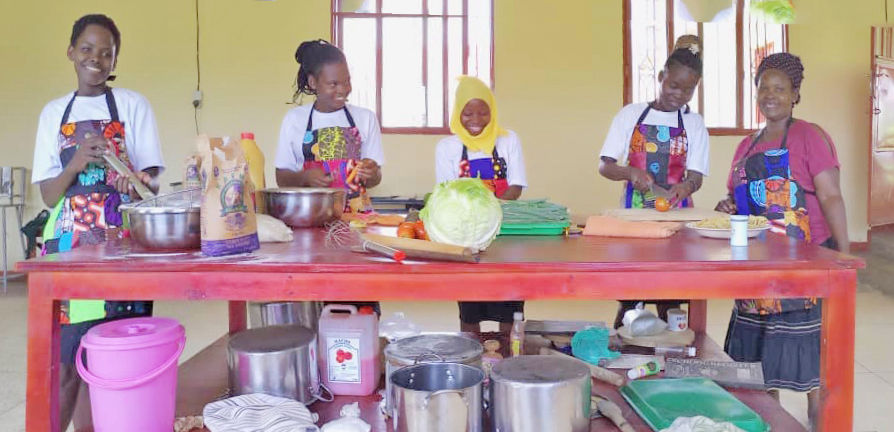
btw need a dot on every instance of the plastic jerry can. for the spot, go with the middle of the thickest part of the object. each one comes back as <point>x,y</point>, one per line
<point>349,350</point>
<point>255,159</point>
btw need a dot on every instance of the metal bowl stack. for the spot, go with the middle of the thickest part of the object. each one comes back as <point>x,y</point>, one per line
<point>166,222</point>
<point>303,207</point>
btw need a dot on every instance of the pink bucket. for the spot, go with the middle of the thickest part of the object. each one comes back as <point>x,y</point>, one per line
<point>133,373</point>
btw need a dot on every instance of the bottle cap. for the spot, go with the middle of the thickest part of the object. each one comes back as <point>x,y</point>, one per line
<point>518,316</point>
<point>366,310</point>
<point>248,135</point>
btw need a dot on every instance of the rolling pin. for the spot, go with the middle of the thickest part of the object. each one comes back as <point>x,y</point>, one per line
<point>597,372</point>
<point>426,249</point>
<point>611,411</point>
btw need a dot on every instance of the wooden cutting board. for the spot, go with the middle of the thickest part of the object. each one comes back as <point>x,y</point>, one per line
<point>673,215</point>
<point>426,249</point>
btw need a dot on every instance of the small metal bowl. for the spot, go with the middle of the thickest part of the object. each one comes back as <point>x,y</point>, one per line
<point>305,207</point>
<point>166,222</point>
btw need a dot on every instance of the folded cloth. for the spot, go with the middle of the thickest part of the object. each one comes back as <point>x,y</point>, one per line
<point>258,412</point>
<point>607,226</point>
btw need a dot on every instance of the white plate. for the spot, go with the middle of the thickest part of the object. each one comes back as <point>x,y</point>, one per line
<point>724,233</point>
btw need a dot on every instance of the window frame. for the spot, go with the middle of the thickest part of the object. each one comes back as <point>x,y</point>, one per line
<point>740,128</point>
<point>337,35</point>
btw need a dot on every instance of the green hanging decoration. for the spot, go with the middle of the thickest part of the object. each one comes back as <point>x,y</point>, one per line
<point>778,11</point>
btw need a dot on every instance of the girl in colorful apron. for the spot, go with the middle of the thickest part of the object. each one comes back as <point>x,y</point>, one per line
<point>474,123</point>
<point>90,207</point>
<point>336,151</point>
<point>659,150</point>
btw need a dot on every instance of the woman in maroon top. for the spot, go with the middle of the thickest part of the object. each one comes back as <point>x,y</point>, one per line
<point>787,172</point>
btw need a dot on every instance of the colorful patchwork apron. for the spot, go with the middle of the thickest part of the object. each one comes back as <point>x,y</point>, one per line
<point>492,171</point>
<point>336,151</point>
<point>660,151</point>
<point>89,206</point>
<point>766,188</point>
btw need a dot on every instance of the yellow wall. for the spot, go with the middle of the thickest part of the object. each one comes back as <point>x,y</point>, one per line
<point>558,83</point>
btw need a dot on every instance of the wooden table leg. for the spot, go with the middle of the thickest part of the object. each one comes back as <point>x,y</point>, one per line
<point>42,399</point>
<point>698,315</point>
<point>237,316</point>
<point>837,353</point>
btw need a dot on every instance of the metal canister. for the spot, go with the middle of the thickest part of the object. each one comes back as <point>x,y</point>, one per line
<point>304,313</point>
<point>278,360</point>
<point>540,393</point>
<point>428,348</point>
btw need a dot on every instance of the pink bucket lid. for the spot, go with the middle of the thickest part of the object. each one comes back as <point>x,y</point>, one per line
<point>133,333</point>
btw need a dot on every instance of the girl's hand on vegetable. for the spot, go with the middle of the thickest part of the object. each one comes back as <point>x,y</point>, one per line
<point>726,206</point>
<point>367,170</point>
<point>641,180</point>
<point>317,178</point>
<point>89,151</point>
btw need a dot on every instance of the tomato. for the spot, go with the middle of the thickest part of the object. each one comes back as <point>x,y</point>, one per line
<point>420,230</point>
<point>406,230</point>
<point>662,204</point>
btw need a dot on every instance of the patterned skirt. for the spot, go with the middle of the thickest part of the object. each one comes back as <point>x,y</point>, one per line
<point>787,344</point>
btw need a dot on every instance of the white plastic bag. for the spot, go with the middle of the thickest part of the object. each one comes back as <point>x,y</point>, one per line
<point>348,422</point>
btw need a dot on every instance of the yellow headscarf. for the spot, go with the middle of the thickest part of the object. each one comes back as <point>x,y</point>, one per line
<point>473,88</point>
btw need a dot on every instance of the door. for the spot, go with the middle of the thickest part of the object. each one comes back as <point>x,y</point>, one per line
<point>881,180</point>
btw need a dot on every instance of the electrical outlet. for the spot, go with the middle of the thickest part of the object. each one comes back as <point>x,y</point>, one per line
<point>197,98</point>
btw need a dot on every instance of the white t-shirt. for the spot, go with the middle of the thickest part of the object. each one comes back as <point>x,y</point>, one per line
<point>140,130</point>
<point>289,154</point>
<point>617,142</point>
<point>450,150</point>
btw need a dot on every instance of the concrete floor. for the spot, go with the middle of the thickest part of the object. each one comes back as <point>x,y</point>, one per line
<point>206,321</point>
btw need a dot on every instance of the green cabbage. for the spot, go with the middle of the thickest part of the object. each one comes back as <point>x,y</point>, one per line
<point>462,212</point>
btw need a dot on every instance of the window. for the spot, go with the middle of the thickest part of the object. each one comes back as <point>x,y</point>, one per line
<point>404,56</point>
<point>733,44</point>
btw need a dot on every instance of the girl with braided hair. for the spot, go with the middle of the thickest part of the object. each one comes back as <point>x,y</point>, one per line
<point>789,172</point>
<point>329,143</point>
<point>661,144</point>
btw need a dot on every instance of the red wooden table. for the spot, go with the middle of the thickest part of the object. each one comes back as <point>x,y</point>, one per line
<point>513,268</point>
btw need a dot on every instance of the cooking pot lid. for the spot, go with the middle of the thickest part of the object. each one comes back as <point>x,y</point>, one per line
<point>448,348</point>
<point>537,369</point>
<point>271,339</point>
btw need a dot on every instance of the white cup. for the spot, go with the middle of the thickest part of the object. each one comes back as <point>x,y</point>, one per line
<point>738,230</point>
<point>677,320</point>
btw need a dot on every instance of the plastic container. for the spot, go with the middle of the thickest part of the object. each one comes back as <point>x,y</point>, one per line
<point>397,326</point>
<point>517,335</point>
<point>132,373</point>
<point>349,350</point>
<point>491,357</point>
<point>255,159</point>
<point>739,230</point>
<point>644,370</point>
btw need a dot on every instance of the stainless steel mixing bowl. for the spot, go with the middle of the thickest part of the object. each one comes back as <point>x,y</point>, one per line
<point>166,222</point>
<point>305,207</point>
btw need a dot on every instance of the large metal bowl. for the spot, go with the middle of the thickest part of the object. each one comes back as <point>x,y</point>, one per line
<point>166,222</point>
<point>305,207</point>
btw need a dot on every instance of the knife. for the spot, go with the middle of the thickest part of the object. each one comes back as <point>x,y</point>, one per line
<point>122,169</point>
<point>659,191</point>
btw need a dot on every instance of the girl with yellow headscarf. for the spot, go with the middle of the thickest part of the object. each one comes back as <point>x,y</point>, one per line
<point>480,148</point>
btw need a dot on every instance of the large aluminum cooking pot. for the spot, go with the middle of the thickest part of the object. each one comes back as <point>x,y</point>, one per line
<point>305,314</point>
<point>166,222</point>
<point>437,397</point>
<point>302,207</point>
<point>540,393</point>
<point>425,349</point>
<point>278,360</point>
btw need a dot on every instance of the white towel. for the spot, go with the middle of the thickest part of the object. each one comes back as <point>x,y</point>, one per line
<point>259,413</point>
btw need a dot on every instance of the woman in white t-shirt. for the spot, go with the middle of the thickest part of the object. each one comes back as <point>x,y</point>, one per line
<point>73,134</point>
<point>663,146</point>
<point>328,143</point>
<point>481,148</point>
